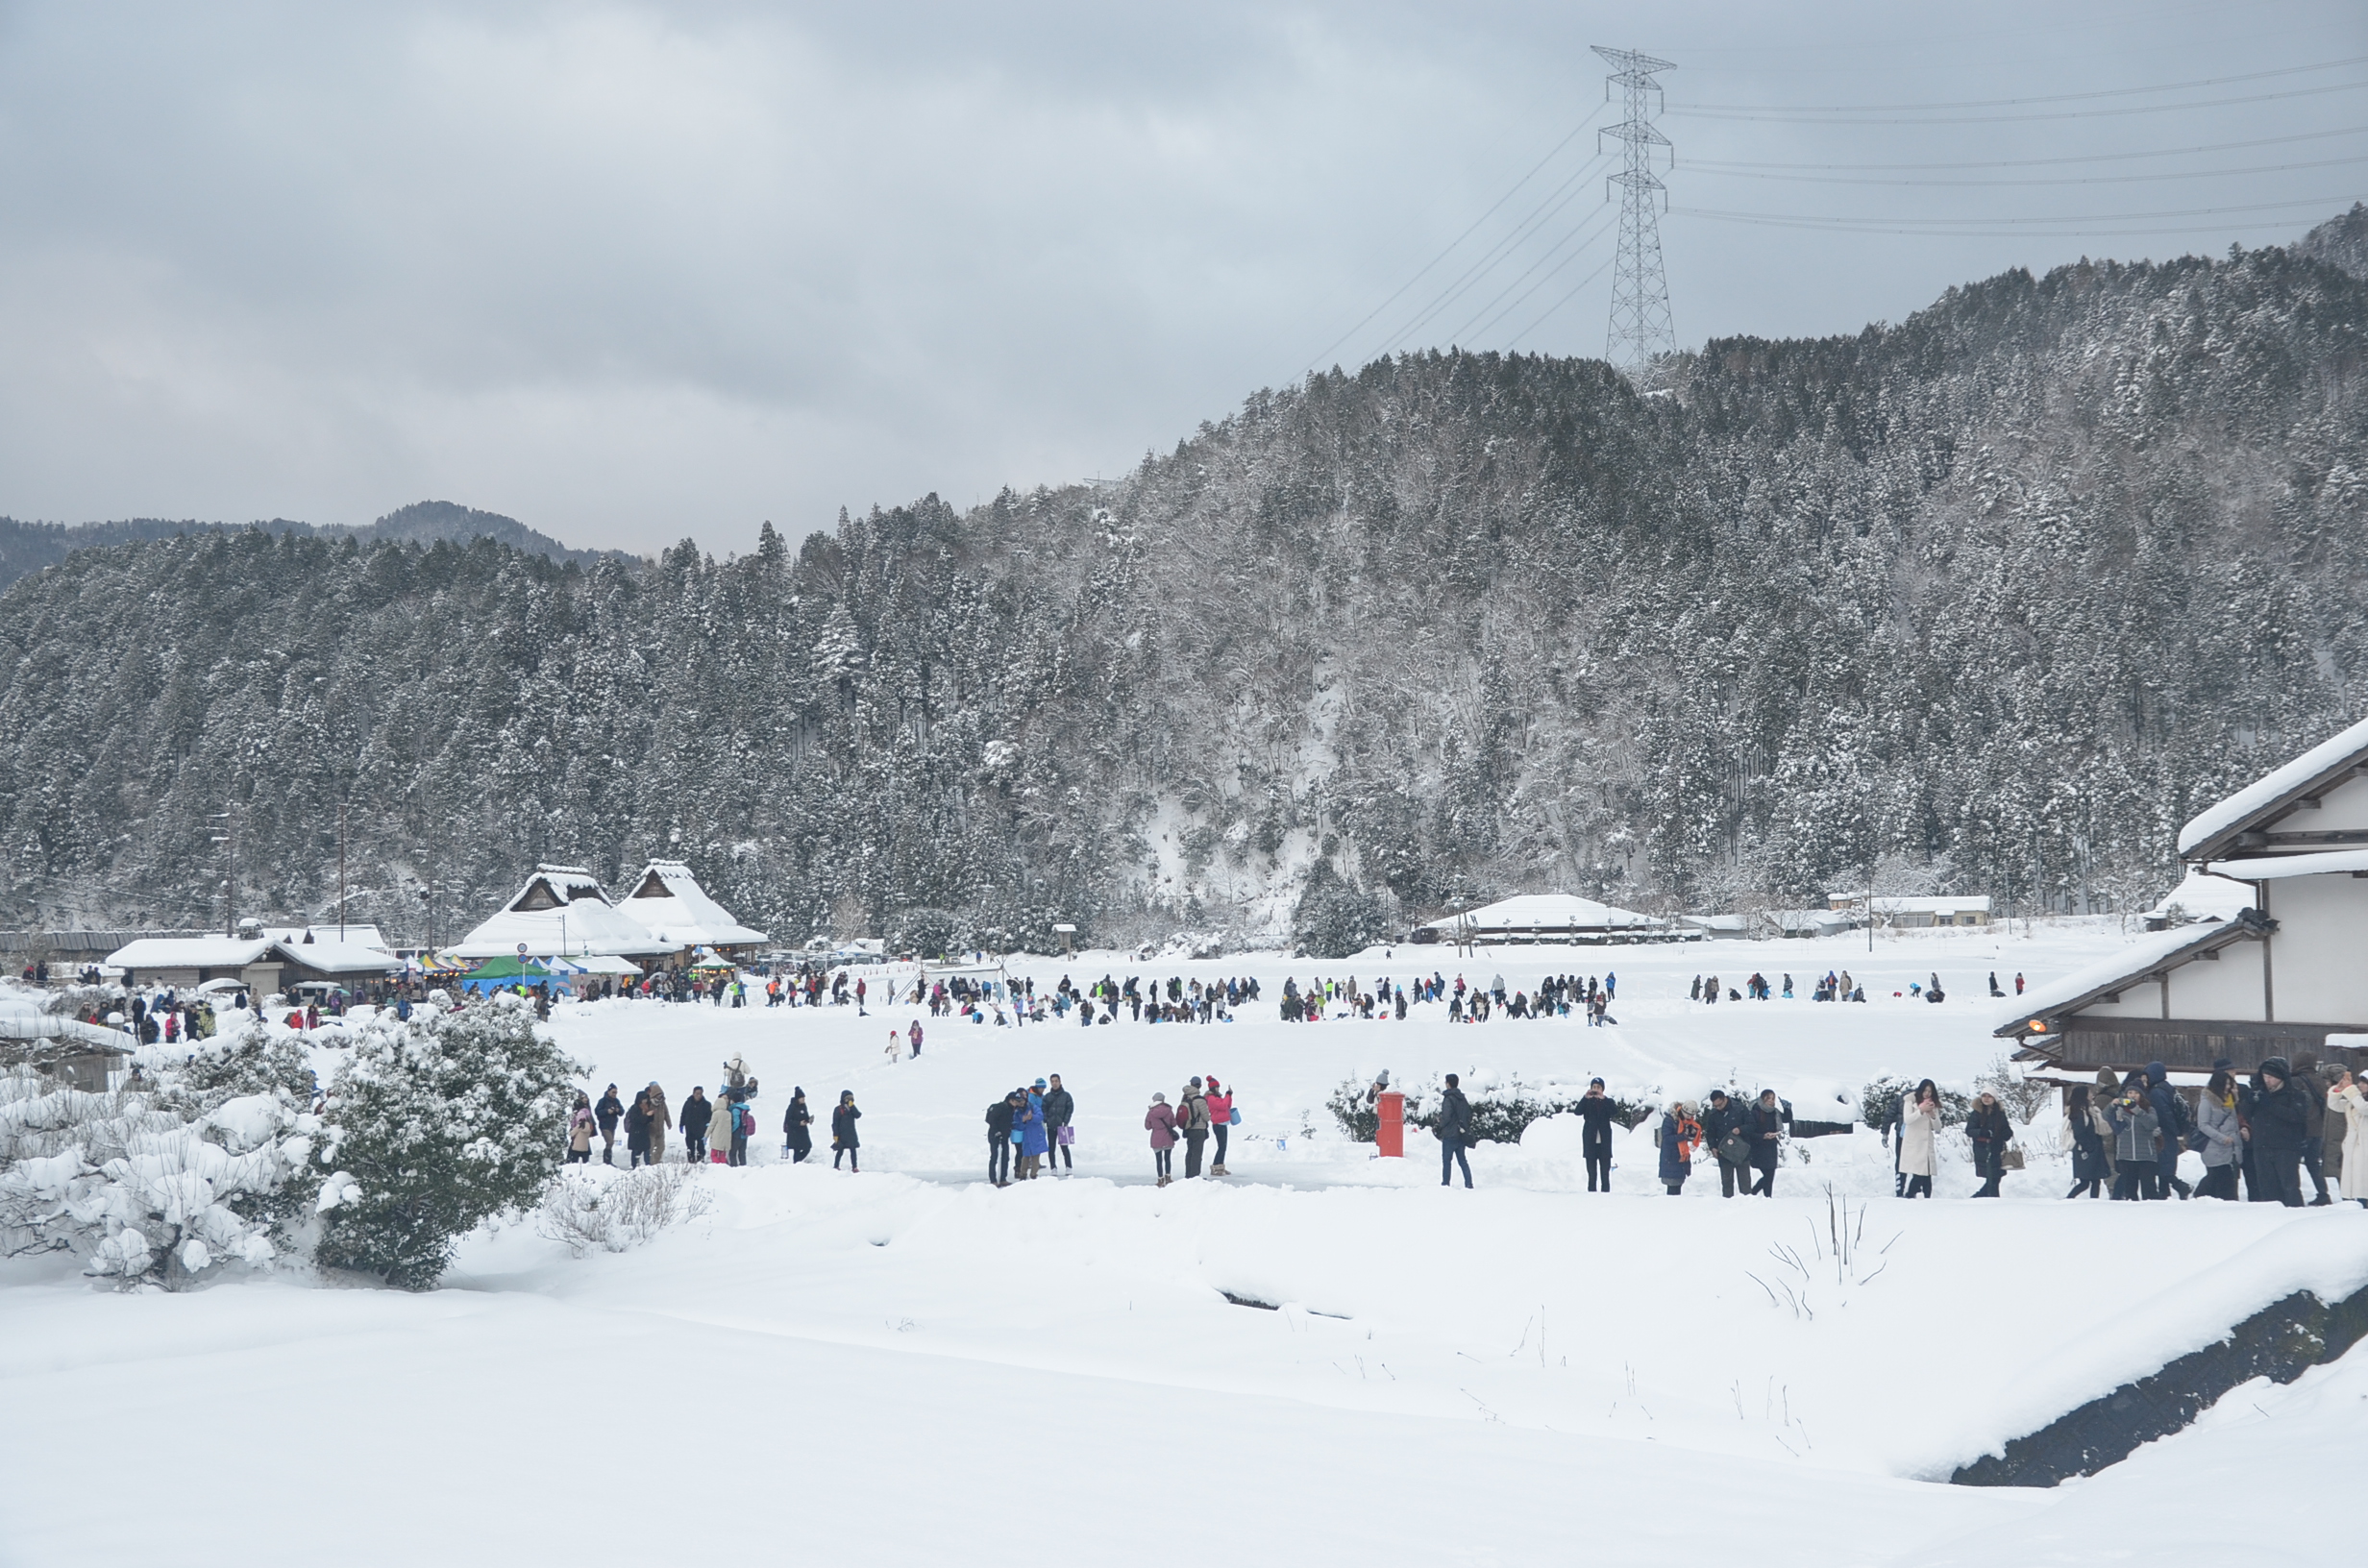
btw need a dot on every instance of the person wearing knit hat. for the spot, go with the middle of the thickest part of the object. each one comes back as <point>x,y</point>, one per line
<point>1221,1117</point>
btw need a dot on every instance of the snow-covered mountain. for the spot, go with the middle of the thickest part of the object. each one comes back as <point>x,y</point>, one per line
<point>1997,595</point>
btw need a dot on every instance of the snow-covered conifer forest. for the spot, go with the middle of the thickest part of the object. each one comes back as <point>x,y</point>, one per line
<point>1993,595</point>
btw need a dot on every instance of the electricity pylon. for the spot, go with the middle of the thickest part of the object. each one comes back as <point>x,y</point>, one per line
<point>1641,325</point>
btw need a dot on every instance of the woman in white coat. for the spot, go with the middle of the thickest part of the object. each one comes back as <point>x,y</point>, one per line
<point>2347,1100</point>
<point>1918,1122</point>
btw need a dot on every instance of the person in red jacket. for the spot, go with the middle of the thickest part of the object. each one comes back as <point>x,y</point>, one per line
<point>1221,1115</point>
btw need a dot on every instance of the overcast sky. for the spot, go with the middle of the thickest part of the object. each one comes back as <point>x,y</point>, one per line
<point>629,273</point>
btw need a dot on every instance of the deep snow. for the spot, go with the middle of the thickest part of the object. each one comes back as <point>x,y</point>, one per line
<point>909,1366</point>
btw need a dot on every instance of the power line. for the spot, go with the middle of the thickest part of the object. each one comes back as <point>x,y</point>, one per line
<point>2048,162</point>
<point>1952,226</point>
<point>1554,152</point>
<point>2007,102</point>
<point>2003,119</point>
<point>1477,326</point>
<point>1560,197</point>
<point>1514,340</point>
<point>2074,179</point>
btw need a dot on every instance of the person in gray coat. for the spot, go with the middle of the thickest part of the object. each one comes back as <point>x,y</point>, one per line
<point>2137,1142</point>
<point>2224,1138</point>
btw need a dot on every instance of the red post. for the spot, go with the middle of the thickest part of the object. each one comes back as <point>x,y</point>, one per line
<point>1391,1136</point>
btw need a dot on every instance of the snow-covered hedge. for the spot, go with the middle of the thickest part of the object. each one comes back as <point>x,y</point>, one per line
<point>611,1208</point>
<point>433,1127</point>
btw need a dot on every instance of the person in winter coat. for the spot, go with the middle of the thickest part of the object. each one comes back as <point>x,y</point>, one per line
<point>2346,1100</point>
<point>2223,1133</point>
<point>637,1131</point>
<point>1221,1118</point>
<point>1679,1134</point>
<point>1595,1112</point>
<point>1160,1120</point>
<point>914,1034</point>
<point>797,1127</point>
<point>2312,1089</point>
<point>2171,1119</point>
<point>608,1113</point>
<point>1031,1130</point>
<point>2137,1141</point>
<point>698,1115</point>
<point>843,1140</point>
<point>1453,1130</point>
<point>580,1123</point>
<point>1060,1114</point>
<point>1193,1117</point>
<point>658,1123</point>
<point>2275,1129</point>
<point>1989,1133</point>
<point>742,1121</point>
<point>1919,1123</point>
<point>1766,1127</point>
<point>1001,1116</point>
<point>1722,1116</point>
<point>2085,1126</point>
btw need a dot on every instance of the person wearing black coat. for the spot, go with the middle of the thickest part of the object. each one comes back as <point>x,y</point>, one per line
<point>1987,1128</point>
<point>1453,1128</point>
<point>2275,1129</point>
<point>697,1114</point>
<point>1060,1109</point>
<point>796,1127</point>
<point>999,1139</point>
<point>2171,1116</point>
<point>638,1132</point>
<point>608,1113</point>
<point>843,1140</point>
<point>1765,1130</point>
<point>1721,1117</point>
<point>1595,1112</point>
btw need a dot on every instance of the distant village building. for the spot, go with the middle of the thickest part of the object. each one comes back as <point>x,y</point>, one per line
<point>2274,975</point>
<point>1549,917</point>
<point>1916,912</point>
<point>262,964</point>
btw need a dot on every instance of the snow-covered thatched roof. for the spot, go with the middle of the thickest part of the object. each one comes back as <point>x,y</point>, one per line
<point>668,901</point>
<point>1548,912</point>
<point>560,910</point>
<point>188,953</point>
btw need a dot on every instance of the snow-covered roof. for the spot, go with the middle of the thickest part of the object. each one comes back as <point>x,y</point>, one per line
<point>671,904</point>
<point>1546,910</point>
<point>560,910</point>
<point>353,933</point>
<point>2270,868</point>
<point>1942,903</point>
<point>2146,957</point>
<point>187,953</point>
<point>2273,791</point>
<point>2206,898</point>
<point>339,957</point>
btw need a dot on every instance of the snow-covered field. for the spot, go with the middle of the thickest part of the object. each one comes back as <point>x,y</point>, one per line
<point>910,1366</point>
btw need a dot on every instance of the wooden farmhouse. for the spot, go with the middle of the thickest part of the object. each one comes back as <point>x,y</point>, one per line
<point>2273,979</point>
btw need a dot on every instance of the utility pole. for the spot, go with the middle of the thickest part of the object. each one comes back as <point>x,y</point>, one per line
<point>228,835</point>
<point>1641,325</point>
<point>341,872</point>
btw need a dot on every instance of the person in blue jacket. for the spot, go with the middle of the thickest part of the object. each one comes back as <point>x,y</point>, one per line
<point>1028,1127</point>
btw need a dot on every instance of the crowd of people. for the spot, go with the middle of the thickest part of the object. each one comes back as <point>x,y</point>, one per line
<point>2260,1133</point>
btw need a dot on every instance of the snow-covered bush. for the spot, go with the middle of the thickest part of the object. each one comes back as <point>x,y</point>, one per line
<point>433,1127</point>
<point>1500,1111</point>
<point>1876,1101</point>
<point>609,1209</point>
<point>196,1164</point>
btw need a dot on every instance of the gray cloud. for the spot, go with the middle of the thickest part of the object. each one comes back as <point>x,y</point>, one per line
<point>631,272</point>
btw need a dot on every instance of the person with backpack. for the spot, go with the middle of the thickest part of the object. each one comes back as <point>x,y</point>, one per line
<point>1193,1117</point>
<point>2177,1125</point>
<point>1919,1125</point>
<point>743,1124</point>
<point>1160,1121</point>
<point>843,1140</point>
<point>1061,1132</point>
<point>796,1127</point>
<point>1595,1112</point>
<point>1989,1132</point>
<point>1453,1130</point>
<point>1221,1118</point>
<point>1030,1133</point>
<point>1723,1135</point>
<point>1001,1116</point>
<point>1678,1137</point>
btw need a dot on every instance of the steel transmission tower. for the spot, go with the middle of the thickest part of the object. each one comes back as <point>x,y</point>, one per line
<point>1640,326</point>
